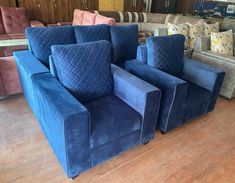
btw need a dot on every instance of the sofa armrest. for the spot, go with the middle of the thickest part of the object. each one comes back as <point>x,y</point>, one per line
<point>28,65</point>
<point>65,122</point>
<point>173,92</point>
<point>35,23</point>
<point>141,96</point>
<point>161,31</point>
<point>205,76</point>
<point>202,43</point>
<point>142,54</point>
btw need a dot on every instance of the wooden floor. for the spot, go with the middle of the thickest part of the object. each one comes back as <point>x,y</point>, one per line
<point>200,151</point>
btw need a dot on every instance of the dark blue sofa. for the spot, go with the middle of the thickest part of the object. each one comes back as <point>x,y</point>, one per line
<point>184,97</point>
<point>84,134</point>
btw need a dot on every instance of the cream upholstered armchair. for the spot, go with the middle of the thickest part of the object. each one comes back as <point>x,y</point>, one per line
<point>203,54</point>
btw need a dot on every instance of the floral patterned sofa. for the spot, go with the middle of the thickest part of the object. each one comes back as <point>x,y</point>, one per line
<point>203,54</point>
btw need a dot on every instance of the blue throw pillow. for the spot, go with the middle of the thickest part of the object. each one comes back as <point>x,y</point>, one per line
<point>92,33</point>
<point>166,53</point>
<point>85,69</point>
<point>41,39</point>
<point>124,42</point>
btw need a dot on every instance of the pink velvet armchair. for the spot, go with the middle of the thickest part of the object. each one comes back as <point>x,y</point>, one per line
<point>13,22</point>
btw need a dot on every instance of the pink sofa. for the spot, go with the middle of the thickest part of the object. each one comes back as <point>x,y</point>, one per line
<point>13,22</point>
<point>9,80</point>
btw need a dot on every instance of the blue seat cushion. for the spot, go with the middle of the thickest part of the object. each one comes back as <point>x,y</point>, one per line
<point>195,96</point>
<point>111,119</point>
<point>166,53</point>
<point>91,33</point>
<point>85,69</point>
<point>41,39</point>
<point>124,42</point>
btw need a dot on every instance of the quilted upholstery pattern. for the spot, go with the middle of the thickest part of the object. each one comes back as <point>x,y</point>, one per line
<point>41,39</point>
<point>85,69</point>
<point>2,31</point>
<point>85,34</point>
<point>14,20</point>
<point>166,53</point>
<point>124,42</point>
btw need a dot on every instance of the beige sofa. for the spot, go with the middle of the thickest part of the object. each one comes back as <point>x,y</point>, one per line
<point>203,54</point>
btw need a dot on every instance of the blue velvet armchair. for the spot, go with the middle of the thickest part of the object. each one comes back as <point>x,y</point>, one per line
<point>83,134</point>
<point>184,97</point>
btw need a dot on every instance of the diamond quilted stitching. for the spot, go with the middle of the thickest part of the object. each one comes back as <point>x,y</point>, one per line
<point>85,69</point>
<point>166,53</point>
<point>92,33</point>
<point>41,39</point>
<point>124,41</point>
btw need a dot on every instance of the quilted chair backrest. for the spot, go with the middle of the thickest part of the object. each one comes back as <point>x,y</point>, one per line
<point>14,20</point>
<point>2,31</point>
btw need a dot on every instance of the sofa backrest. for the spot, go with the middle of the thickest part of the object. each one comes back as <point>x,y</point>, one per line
<point>14,20</point>
<point>41,39</point>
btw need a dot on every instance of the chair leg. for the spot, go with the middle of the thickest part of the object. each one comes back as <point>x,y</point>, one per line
<point>163,133</point>
<point>146,143</point>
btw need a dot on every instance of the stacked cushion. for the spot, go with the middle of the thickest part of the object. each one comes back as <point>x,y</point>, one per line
<point>179,29</point>
<point>166,53</point>
<point>209,28</point>
<point>85,69</point>
<point>78,17</point>
<point>85,34</point>
<point>124,42</point>
<point>222,42</point>
<point>192,31</point>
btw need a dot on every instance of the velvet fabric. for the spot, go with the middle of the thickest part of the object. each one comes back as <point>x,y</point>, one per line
<point>28,65</point>
<point>72,128</point>
<point>124,42</point>
<point>41,39</point>
<point>100,19</point>
<point>173,92</point>
<point>142,54</point>
<point>84,69</point>
<point>52,67</point>
<point>166,53</point>
<point>78,17</point>
<point>184,98</point>
<point>141,96</point>
<point>88,18</point>
<point>85,34</point>
<point>109,114</point>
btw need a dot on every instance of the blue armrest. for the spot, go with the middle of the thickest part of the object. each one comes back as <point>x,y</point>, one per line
<point>141,96</point>
<point>173,92</point>
<point>28,65</point>
<point>142,54</point>
<point>65,121</point>
<point>204,76</point>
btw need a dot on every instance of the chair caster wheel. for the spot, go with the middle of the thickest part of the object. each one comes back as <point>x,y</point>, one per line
<point>146,143</point>
<point>163,133</point>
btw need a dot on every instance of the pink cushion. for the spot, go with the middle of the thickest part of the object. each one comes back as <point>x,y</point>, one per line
<point>14,20</point>
<point>2,31</point>
<point>88,18</point>
<point>100,19</point>
<point>9,76</point>
<point>78,17</point>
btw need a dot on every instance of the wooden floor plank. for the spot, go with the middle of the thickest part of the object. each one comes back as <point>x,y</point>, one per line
<point>200,151</point>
